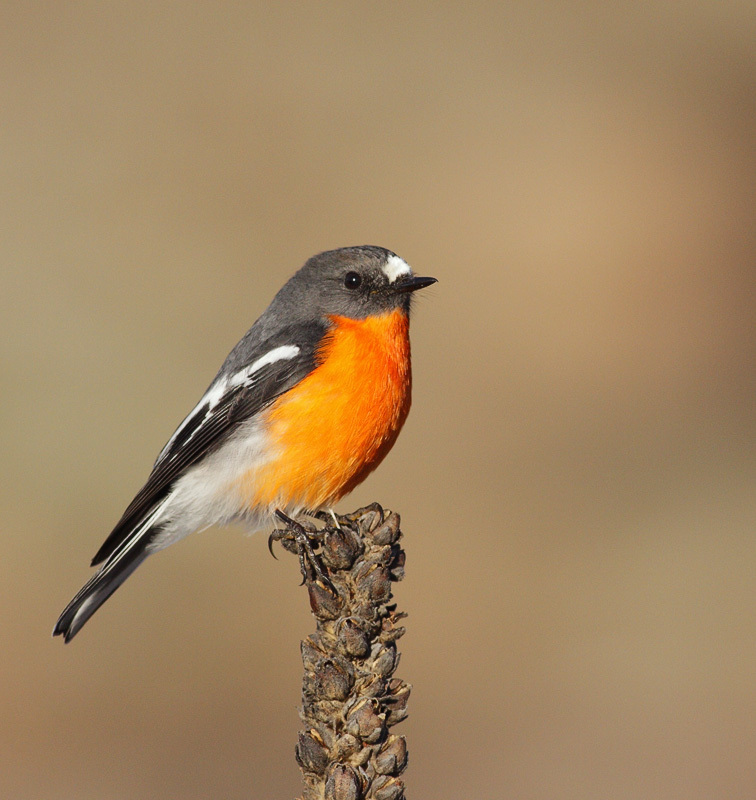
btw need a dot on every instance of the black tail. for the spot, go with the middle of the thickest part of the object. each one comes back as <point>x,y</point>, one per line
<point>100,586</point>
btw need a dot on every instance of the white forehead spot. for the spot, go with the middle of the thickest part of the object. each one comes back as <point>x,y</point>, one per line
<point>396,267</point>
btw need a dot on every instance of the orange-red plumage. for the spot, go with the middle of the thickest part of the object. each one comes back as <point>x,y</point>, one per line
<point>342,419</point>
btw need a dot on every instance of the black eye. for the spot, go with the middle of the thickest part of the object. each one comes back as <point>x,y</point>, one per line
<point>352,280</point>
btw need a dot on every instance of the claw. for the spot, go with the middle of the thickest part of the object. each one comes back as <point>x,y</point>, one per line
<point>272,538</point>
<point>309,563</point>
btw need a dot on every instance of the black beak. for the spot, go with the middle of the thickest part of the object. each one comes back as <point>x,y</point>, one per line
<point>412,284</point>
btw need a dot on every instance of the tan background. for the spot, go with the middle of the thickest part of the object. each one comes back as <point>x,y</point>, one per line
<point>577,476</point>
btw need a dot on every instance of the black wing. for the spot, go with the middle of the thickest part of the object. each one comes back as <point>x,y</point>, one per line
<point>230,400</point>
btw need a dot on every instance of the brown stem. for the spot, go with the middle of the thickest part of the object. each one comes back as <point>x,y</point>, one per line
<point>350,698</point>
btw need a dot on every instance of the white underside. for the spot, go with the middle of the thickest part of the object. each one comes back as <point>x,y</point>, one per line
<point>205,496</point>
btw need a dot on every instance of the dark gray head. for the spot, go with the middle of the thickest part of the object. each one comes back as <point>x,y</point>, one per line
<point>354,282</point>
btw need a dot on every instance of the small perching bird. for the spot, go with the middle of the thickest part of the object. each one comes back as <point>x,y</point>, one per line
<point>305,406</point>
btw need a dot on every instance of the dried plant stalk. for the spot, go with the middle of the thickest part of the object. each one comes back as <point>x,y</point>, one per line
<point>350,698</point>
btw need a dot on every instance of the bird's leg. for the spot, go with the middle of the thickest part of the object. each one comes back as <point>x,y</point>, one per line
<point>301,542</point>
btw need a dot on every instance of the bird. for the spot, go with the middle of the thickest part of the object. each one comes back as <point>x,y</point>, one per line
<point>303,409</point>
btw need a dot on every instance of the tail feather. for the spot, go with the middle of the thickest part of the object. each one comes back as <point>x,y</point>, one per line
<point>96,591</point>
<point>126,557</point>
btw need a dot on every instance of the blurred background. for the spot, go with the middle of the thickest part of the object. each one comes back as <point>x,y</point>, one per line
<point>576,479</point>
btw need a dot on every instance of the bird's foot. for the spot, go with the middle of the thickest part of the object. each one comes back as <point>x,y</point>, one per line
<point>296,538</point>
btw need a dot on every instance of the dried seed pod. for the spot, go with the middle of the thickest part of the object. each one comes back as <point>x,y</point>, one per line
<point>396,568</point>
<point>396,715</point>
<point>333,678</point>
<point>353,639</point>
<point>390,632</point>
<point>310,753</point>
<point>370,517</point>
<point>341,548</point>
<point>372,686</point>
<point>396,701</point>
<point>389,532</point>
<point>393,756</point>
<point>311,652</point>
<point>374,581</point>
<point>324,602</point>
<point>366,721</point>
<point>342,783</point>
<point>345,748</point>
<point>387,788</point>
<point>385,660</point>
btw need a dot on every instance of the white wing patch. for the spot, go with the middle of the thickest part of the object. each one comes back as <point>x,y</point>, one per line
<point>284,353</point>
<point>396,267</point>
<point>217,391</point>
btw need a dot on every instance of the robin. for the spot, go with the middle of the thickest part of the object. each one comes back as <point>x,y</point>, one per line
<point>304,408</point>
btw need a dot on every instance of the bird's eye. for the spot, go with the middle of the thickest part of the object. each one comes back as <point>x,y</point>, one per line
<point>352,280</point>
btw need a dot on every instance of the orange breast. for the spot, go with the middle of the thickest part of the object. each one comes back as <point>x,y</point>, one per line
<point>336,426</point>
